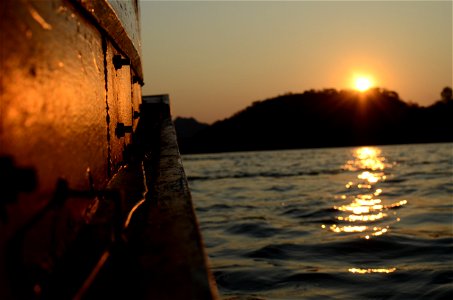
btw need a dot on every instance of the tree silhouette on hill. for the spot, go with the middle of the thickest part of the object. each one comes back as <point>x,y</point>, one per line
<point>446,94</point>
<point>325,118</point>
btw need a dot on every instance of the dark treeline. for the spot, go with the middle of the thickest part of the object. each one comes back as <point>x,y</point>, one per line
<point>326,118</point>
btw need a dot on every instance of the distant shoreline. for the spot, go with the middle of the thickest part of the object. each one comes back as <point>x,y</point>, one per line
<point>321,119</point>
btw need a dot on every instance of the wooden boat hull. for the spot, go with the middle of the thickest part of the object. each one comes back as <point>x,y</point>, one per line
<point>70,99</point>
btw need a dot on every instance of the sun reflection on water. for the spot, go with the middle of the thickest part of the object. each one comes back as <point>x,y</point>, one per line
<point>363,209</point>
<point>368,271</point>
<point>364,212</point>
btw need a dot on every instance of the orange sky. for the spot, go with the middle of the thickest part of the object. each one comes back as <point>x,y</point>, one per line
<point>215,58</point>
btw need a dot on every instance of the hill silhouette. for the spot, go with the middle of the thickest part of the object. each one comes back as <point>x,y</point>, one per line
<point>325,118</point>
<point>188,127</point>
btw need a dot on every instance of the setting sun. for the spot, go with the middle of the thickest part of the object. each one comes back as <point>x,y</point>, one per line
<point>362,83</point>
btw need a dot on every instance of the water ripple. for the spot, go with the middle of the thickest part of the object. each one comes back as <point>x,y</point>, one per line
<point>344,223</point>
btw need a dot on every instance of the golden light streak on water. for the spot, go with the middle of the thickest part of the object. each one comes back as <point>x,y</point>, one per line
<point>398,204</point>
<point>365,208</point>
<point>363,218</point>
<point>368,271</point>
<point>379,231</point>
<point>369,202</point>
<point>371,177</point>
<point>336,228</point>
<point>364,186</point>
<point>367,158</point>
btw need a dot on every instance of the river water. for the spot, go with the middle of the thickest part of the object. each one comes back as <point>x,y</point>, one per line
<point>338,223</point>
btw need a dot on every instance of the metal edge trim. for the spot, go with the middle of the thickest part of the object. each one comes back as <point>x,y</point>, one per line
<point>108,20</point>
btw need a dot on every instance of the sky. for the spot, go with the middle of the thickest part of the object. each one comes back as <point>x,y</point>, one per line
<point>214,58</point>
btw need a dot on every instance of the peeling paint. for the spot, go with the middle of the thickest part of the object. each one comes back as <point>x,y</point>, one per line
<point>95,63</point>
<point>40,20</point>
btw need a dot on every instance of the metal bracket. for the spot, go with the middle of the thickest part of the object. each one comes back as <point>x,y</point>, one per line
<point>121,130</point>
<point>136,79</point>
<point>119,62</point>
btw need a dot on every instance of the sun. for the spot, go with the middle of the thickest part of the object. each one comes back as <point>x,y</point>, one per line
<point>363,83</point>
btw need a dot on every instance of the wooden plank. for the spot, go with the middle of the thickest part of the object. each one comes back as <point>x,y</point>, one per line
<point>172,252</point>
<point>119,106</point>
<point>120,20</point>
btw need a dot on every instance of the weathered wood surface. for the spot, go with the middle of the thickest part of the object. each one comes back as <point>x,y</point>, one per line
<point>119,20</point>
<point>172,252</point>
